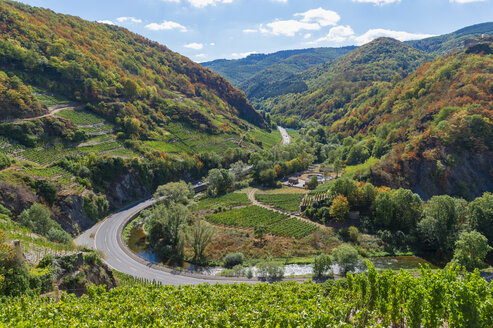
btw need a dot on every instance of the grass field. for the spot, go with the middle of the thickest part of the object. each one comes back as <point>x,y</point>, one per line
<point>359,169</point>
<point>288,202</point>
<point>231,199</point>
<point>275,223</point>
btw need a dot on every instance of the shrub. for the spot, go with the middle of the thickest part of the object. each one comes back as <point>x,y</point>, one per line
<point>58,235</point>
<point>321,264</point>
<point>347,257</point>
<point>353,234</point>
<point>47,261</point>
<point>270,270</point>
<point>233,259</point>
<point>68,262</point>
<point>92,258</point>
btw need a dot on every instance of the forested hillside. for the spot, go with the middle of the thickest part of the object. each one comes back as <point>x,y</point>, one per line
<point>94,116</point>
<point>333,85</point>
<point>444,44</point>
<point>244,71</point>
<point>121,74</point>
<point>437,124</point>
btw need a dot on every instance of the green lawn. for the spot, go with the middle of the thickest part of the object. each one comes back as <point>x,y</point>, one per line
<point>288,202</point>
<point>231,199</point>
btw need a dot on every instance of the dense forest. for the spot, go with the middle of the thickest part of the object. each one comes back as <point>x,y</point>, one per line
<point>122,75</point>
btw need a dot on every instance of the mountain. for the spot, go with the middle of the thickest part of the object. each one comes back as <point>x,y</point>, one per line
<point>330,87</point>
<point>120,73</point>
<point>239,71</point>
<point>433,131</point>
<point>93,117</point>
<point>266,77</point>
<point>444,44</point>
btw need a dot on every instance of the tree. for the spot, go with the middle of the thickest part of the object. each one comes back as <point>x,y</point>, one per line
<point>481,215</point>
<point>338,166</point>
<point>176,193</point>
<point>239,170</point>
<point>347,257</point>
<point>37,218</point>
<point>166,229</point>
<point>439,228</point>
<point>321,264</point>
<point>339,208</point>
<point>471,250</point>
<point>200,235</point>
<point>313,183</point>
<point>219,181</point>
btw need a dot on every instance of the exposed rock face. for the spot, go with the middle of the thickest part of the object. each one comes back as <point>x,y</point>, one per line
<point>467,175</point>
<point>16,198</point>
<point>126,190</point>
<point>71,215</point>
<point>75,274</point>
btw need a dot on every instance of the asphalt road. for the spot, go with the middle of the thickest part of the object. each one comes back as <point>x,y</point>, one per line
<point>104,237</point>
<point>286,139</point>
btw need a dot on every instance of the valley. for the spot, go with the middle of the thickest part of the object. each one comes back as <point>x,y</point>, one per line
<point>341,186</point>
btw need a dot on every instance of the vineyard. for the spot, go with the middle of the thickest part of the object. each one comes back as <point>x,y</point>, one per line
<point>61,175</point>
<point>80,117</point>
<point>229,200</point>
<point>436,299</point>
<point>308,200</point>
<point>275,223</point>
<point>292,228</point>
<point>288,202</point>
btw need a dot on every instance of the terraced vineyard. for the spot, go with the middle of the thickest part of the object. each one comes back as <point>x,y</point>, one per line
<point>275,223</point>
<point>8,148</point>
<point>81,117</point>
<point>61,175</point>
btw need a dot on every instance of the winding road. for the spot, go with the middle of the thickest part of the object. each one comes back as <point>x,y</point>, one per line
<point>286,139</point>
<point>106,237</point>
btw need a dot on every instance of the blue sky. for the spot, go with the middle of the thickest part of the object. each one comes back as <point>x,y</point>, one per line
<point>209,29</point>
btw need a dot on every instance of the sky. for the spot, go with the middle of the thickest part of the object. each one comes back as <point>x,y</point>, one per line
<point>205,30</point>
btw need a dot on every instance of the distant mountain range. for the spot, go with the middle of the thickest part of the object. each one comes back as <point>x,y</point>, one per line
<point>268,79</point>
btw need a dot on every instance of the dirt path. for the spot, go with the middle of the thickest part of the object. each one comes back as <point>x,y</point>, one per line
<point>251,196</point>
<point>52,111</point>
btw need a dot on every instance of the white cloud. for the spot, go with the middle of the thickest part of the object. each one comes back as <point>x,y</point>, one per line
<point>307,36</point>
<point>250,30</point>
<point>166,25</point>
<point>466,1</point>
<point>194,46</point>
<point>205,3</point>
<point>212,44</point>
<point>283,1</point>
<point>177,1</point>
<point>201,56</point>
<point>128,19</point>
<point>288,27</point>
<point>379,32</point>
<point>105,21</point>
<point>384,2</point>
<point>238,55</point>
<point>321,16</point>
<point>338,34</point>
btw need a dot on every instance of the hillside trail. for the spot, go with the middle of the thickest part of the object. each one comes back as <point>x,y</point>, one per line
<point>52,110</point>
<point>251,196</point>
